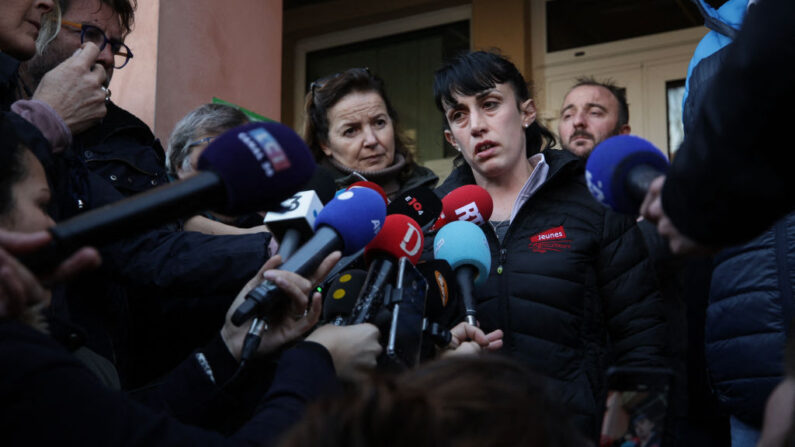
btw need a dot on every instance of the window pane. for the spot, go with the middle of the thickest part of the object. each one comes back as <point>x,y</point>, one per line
<point>675,91</point>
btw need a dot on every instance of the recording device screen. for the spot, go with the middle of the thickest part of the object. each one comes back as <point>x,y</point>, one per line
<point>636,409</point>
<point>405,334</point>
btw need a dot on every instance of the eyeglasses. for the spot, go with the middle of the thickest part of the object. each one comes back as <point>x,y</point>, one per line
<point>319,83</point>
<point>90,33</point>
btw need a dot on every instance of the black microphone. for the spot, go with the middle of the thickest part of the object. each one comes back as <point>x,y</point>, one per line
<point>347,223</point>
<point>421,204</point>
<point>234,171</point>
<point>341,296</point>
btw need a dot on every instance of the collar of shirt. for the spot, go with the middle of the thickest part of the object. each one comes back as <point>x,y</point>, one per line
<point>537,178</point>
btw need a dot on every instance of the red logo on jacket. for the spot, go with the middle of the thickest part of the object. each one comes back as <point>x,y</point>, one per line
<point>553,239</point>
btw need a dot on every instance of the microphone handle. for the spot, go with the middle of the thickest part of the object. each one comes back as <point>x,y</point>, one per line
<point>127,217</point>
<point>465,276</point>
<point>367,303</point>
<point>638,180</point>
<point>289,243</point>
<point>263,299</point>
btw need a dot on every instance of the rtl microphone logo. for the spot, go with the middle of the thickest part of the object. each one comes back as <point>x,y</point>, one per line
<point>414,203</point>
<point>469,213</point>
<point>412,241</point>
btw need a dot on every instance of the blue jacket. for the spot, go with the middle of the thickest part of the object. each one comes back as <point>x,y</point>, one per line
<point>748,319</point>
<point>724,24</point>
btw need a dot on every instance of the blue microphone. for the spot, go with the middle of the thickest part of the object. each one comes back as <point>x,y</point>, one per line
<point>464,246</point>
<point>347,223</point>
<point>620,169</point>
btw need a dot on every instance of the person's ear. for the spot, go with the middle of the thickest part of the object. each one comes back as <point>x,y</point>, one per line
<point>529,113</point>
<point>449,137</point>
<point>625,130</point>
<point>326,150</point>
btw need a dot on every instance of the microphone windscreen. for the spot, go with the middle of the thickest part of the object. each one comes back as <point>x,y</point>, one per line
<point>443,304</point>
<point>400,237</point>
<point>322,182</point>
<point>419,203</point>
<point>342,293</point>
<point>260,164</point>
<point>371,185</point>
<point>469,203</point>
<point>356,215</point>
<point>609,166</point>
<point>464,243</point>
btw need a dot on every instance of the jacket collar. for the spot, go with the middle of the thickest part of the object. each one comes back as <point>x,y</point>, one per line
<point>559,161</point>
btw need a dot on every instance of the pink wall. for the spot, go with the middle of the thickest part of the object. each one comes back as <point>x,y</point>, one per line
<point>134,86</point>
<point>205,48</point>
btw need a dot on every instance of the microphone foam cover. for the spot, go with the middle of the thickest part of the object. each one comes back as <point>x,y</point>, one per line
<point>464,243</point>
<point>419,203</point>
<point>356,215</point>
<point>342,293</point>
<point>260,164</point>
<point>610,163</point>
<point>371,185</point>
<point>322,182</point>
<point>469,203</point>
<point>400,237</point>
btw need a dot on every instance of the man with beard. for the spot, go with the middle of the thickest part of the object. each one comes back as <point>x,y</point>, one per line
<point>592,111</point>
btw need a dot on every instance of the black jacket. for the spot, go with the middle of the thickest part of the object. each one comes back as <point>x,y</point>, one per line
<point>748,319</point>
<point>732,176</point>
<point>48,397</point>
<point>584,299</point>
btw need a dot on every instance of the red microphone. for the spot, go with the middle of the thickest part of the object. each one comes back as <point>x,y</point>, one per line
<point>400,237</point>
<point>371,185</point>
<point>469,202</point>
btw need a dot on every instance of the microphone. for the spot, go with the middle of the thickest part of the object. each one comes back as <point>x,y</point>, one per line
<point>620,169</point>
<point>371,185</point>
<point>463,245</point>
<point>347,223</point>
<point>247,169</point>
<point>294,222</point>
<point>419,203</point>
<point>469,203</point>
<point>443,306</point>
<point>401,237</point>
<point>341,296</point>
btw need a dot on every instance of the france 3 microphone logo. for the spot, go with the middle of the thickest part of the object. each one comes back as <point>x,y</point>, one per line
<point>266,149</point>
<point>469,213</point>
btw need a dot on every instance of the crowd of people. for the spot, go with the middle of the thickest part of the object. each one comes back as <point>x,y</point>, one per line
<point>132,342</point>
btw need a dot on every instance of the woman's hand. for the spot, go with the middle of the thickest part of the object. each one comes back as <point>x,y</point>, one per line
<point>468,339</point>
<point>300,316</point>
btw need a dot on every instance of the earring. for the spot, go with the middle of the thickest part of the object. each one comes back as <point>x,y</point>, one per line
<point>525,125</point>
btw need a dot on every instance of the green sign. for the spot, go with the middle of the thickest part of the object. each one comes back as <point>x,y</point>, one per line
<point>253,116</point>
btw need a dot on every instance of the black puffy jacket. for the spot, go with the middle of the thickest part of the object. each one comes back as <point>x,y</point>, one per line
<point>572,287</point>
<point>749,315</point>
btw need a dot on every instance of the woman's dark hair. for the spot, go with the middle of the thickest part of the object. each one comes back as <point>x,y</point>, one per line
<point>453,402</point>
<point>473,72</point>
<point>326,92</point>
